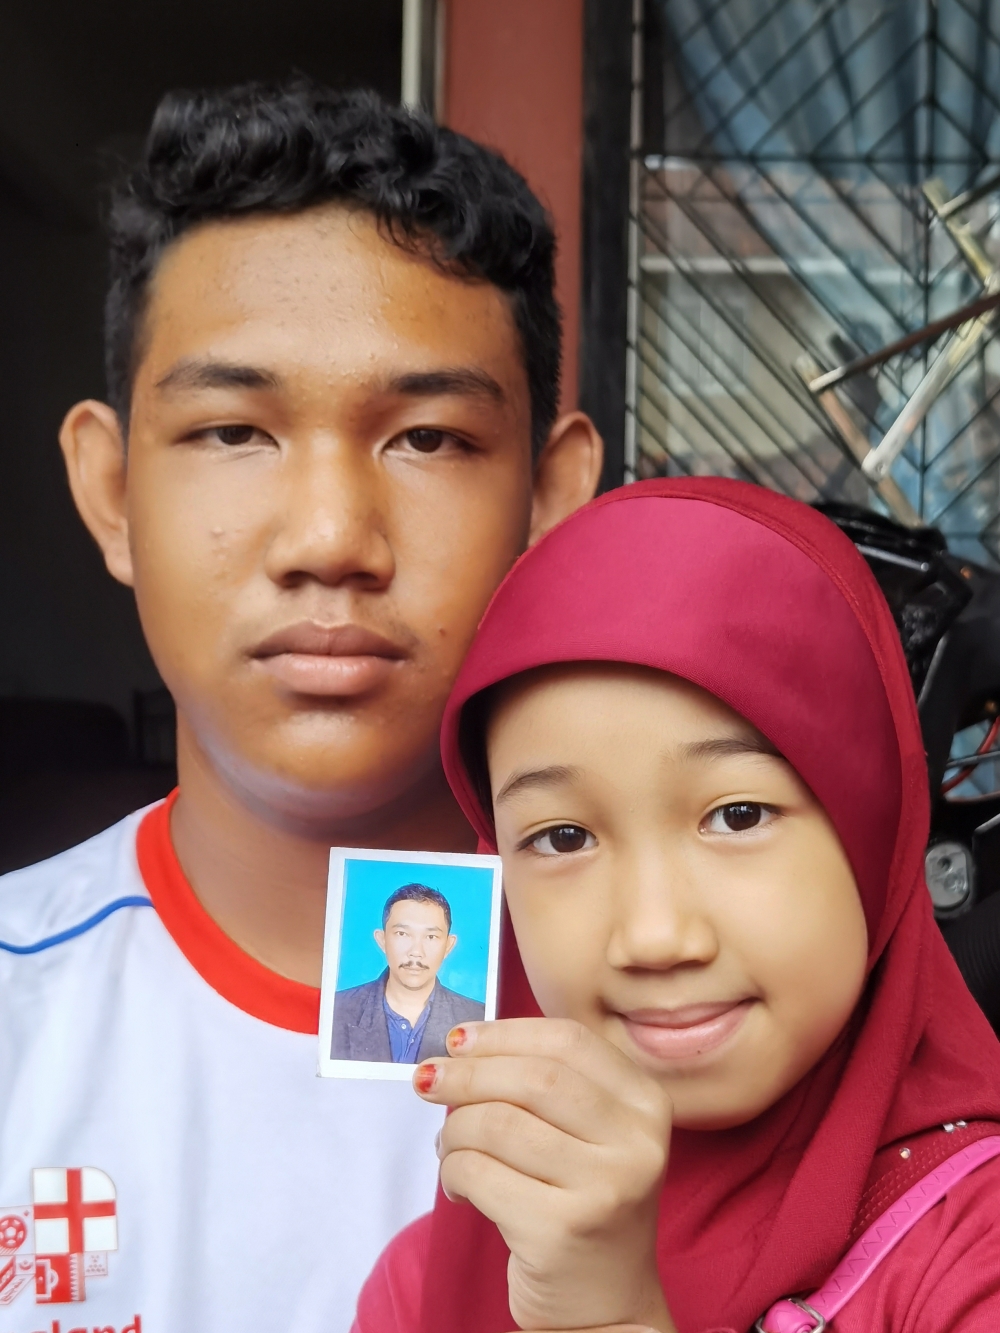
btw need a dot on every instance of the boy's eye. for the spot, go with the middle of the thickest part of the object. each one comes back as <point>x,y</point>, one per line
<point>562,839</point>
<point>234,434</point>
<point>425,441</point>
<point>738,817</point>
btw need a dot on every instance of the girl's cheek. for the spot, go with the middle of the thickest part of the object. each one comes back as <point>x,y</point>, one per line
<point>815,987</point>
<point>556,959</point>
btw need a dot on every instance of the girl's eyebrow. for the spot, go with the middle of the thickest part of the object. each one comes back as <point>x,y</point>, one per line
<point>558,775</point>
<point>725,747</point>
<point>555,775</point>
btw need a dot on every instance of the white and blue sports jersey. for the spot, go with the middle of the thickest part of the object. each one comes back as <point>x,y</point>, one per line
<point>169,1160</point>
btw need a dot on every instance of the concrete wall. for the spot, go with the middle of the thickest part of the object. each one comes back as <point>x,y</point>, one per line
<point>513,78</point>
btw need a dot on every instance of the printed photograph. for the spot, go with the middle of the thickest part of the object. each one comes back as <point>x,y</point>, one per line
<point>411,949</point>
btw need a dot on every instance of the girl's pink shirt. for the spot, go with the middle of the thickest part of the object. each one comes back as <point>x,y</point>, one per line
<point>943,1277</point>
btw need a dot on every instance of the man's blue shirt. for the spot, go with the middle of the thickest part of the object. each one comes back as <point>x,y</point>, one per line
<point>362,1023</point>
<point>404,1036</point>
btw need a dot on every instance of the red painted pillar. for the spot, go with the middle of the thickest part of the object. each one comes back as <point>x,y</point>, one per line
<point>513,78</point>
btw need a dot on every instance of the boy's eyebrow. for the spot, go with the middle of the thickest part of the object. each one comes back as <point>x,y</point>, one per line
<point>464,380</point>
<point>725,747</point>
<point>193,373</point>
<point>555,775</point>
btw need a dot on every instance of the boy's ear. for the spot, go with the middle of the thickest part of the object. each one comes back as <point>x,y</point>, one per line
<point>92,445</point>
<point>567,472</point>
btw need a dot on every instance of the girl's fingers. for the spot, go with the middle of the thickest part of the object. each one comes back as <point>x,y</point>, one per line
<point>519,1140</point>
<point>560,1039</point>
<point>553,1091</point>
<point>554,1068</point>
<point>509,1199</point>
<point>613,1328</point>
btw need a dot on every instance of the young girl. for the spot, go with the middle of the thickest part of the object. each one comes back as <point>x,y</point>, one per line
<point>687,725</point>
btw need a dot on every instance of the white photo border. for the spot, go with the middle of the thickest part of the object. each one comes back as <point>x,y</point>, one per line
<point>339,856</point>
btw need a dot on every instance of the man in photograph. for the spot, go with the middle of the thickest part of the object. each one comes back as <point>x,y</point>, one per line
<point>332,425</point>
<point>405,1014</point>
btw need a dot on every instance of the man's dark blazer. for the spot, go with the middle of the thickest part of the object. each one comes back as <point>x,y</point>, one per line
<point>359,1024</point>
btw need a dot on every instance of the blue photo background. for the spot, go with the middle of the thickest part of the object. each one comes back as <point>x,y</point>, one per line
<point>367,885</point>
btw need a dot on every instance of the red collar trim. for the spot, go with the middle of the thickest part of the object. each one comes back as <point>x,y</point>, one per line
<point>236,976</point>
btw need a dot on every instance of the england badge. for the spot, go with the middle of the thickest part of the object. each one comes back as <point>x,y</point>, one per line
<point>61,1238</point>
<point>75,1210</point>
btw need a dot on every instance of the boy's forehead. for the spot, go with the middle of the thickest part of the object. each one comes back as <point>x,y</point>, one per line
<point>324,290</point>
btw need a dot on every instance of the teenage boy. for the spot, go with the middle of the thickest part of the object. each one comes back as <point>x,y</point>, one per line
<point>333,356</point>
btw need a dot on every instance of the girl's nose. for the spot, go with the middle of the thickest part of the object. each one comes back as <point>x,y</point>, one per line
<point>659,922</point>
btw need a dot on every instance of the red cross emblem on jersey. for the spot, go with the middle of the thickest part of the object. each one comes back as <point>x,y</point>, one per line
<point>62,1239</point>
<point>74,1210</point>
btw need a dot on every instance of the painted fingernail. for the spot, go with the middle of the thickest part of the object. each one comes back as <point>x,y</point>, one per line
<point>457,1038</point>
<point>425,1078</point>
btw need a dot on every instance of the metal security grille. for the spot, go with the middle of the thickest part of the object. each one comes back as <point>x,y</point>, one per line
<point>779,220</point>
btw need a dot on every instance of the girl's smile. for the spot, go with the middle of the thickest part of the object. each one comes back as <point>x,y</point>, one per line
<point>685,1033</point>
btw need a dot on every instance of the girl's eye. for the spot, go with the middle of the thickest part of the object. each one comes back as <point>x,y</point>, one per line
<point>562,839</point>
<point>739,817</point>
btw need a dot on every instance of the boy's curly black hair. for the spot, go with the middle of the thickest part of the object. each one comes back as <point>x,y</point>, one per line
<point>286,147</point>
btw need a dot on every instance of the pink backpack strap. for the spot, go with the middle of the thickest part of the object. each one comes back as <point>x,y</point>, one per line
<point>812,1315</point>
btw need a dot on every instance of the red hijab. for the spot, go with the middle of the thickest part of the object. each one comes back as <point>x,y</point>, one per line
<point>765,604</point>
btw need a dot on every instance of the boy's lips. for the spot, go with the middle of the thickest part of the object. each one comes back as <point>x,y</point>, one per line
<point>331,660</point>
<point>679,1034</point>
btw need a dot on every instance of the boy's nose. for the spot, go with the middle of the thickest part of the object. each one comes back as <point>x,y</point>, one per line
<point>329,522</point>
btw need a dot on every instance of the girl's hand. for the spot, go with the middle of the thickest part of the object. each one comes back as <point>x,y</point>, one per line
<point>562,1141</point>
<point>610,1328</point>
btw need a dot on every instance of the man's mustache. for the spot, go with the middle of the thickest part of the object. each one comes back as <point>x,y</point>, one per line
<point>415,967</point>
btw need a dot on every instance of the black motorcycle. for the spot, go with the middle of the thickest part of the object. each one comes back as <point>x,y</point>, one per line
<point>947,611</point>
